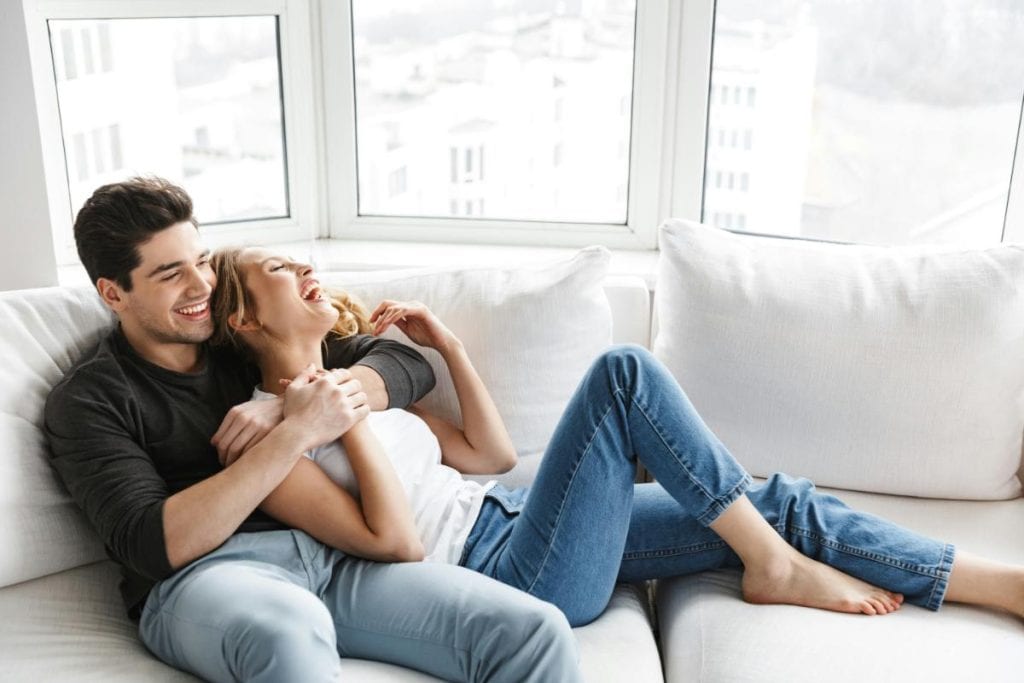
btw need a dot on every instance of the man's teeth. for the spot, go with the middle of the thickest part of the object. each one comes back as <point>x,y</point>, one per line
<point>193,310</point>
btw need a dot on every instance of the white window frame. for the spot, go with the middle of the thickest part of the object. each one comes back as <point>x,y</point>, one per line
<point>1013,223</point>
<point>298,109</point>
<point>649,184</point>
<point>694,24</point>
<point>667,151</point>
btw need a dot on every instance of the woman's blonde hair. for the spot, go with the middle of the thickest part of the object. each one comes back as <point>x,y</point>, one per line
<point>230,297</point>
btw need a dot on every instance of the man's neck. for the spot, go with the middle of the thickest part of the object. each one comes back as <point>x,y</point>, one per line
<point>184,357</point>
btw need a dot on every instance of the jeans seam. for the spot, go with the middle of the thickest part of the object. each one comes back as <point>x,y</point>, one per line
<point>938,593</point>
<point>678,550</point>
<point>717,505</point>
<point>858,552</point>
<point>572,480</point>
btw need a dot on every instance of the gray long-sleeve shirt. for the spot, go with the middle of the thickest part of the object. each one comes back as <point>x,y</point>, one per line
<point>126,434</point>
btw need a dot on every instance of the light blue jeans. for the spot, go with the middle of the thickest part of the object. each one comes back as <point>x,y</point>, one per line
<point>280,606</point>
<point>584,524</point>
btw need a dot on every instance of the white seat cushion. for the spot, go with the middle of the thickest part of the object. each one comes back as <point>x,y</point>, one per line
<point>71,627</point>
<point>709,634</point>
<point>894,370</point>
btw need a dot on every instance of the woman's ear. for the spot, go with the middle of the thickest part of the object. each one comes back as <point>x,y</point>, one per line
<point>243,324</point>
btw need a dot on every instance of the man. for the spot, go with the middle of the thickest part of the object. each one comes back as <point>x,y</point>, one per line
<point>140,432</point>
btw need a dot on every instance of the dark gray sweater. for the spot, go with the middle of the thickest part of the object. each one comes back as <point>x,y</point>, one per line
<point>126,434</point>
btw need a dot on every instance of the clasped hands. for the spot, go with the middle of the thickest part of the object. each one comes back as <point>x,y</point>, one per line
<point>327,403</point>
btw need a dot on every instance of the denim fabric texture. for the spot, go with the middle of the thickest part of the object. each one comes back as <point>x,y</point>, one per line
<point>584,524</point>
<point>280,606</point>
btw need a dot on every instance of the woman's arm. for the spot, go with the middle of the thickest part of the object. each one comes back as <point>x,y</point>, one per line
<point>379,526</point>
<point>483,445</point>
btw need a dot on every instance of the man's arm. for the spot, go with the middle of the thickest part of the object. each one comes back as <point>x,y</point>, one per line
<point>120,490</point>
<point>396,374</point>
<point>392,374</point>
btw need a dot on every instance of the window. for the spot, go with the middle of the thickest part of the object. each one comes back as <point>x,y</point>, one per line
<point>461,77</point>
<point>876,121</point>
<point>197,100</point>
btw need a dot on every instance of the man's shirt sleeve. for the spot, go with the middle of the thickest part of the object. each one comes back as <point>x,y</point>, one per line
<point>107,472</point>
<point>406,373</point>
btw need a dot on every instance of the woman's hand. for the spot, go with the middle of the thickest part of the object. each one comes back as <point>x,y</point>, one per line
<point>413,318</point>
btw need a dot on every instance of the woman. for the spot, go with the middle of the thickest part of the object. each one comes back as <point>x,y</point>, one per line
<point>584,524</point>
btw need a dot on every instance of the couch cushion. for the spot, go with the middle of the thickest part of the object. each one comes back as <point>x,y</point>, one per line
<point>897,370</point>
<point>71,627</point>
<point>531,333</point>
<point>709,634</point>
<point>44,331</point>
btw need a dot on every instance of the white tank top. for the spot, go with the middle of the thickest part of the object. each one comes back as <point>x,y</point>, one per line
<point>444,504</point>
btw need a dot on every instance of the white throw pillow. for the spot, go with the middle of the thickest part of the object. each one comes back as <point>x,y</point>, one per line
<point>531,333</point>
<point>890,369</point>
<point>45,331</point>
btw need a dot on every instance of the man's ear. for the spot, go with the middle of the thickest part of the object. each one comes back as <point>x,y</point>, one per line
<point>111,294</point>
<point>243,324</point>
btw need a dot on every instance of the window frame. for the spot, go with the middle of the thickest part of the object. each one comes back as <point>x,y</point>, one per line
<point>695,22</point>
<point>667,148</point>
<point>649,185</point>
<point>297,109</point>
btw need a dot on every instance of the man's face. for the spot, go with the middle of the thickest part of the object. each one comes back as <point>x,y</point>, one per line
<point>169,302</point>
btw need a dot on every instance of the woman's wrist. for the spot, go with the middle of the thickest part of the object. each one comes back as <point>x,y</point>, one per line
<point>356,431</point>
<point>452,345</point>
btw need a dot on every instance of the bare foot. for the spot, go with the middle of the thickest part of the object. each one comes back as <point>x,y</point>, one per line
<point>793,579</point>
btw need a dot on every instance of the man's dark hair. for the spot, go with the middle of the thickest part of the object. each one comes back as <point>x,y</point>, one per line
<point>119,217</point>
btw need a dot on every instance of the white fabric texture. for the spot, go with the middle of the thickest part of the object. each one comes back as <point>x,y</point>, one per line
<point>71,627</point>
<point>444,505</point>
<point>531,333</point>
<point>896,370</point>
<point>44,331</point>
<point>707,632</point>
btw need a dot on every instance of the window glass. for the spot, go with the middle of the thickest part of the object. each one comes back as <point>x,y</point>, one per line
<point>879,121</point>
<point>508,110</point>
<point>195,100</point>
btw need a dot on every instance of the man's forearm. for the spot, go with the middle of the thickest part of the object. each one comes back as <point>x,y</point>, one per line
<point>198,519</point>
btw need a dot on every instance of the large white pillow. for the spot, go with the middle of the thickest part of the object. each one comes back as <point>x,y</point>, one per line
<point>44,332</point>
<point>531,333</point>
<point>889,369</point>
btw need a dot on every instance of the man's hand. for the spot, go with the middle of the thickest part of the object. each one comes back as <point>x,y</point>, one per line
<point>325,404</point>
<point>244,426</point>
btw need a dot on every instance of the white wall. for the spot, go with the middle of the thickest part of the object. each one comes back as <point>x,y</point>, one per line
<point>26,241</point>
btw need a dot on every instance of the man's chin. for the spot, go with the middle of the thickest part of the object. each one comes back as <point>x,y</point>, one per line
<point>196,335</point>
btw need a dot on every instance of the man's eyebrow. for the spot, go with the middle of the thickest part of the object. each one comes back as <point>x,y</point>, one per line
<point>164,267</point>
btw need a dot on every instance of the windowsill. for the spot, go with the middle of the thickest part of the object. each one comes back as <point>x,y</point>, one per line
<point>335,254</point>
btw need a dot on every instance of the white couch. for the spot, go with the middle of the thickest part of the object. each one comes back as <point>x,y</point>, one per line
<point>61,617</point>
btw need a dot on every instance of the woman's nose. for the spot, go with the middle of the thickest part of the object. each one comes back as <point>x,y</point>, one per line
<point>304,269</point>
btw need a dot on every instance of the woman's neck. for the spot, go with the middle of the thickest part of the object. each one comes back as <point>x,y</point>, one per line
<point>286,361</point>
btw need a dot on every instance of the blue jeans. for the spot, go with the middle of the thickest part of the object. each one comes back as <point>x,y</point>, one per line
<point>280,606</point>
<point>584,524</point>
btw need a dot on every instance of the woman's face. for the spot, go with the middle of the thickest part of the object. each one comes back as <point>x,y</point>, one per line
<point>287,297</point>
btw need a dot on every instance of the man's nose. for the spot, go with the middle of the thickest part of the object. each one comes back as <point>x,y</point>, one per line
<point>198,283</point>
